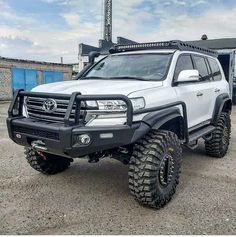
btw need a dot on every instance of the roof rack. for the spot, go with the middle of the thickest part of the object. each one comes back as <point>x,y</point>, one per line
<point>174,44</point>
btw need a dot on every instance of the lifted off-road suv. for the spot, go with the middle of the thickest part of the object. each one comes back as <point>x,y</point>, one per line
<point>138,105</point>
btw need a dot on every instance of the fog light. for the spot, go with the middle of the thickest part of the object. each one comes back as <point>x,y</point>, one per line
<point>106,135</point>
<point>18,136</point>
<point>84,139</point>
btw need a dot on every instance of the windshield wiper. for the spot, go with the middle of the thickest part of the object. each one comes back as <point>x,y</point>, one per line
<point>116,78</point>
<point>84,78</point>
<point>130,78</point>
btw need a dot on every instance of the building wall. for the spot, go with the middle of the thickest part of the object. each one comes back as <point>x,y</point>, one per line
<point>5,84</point>
<point>6,76</point>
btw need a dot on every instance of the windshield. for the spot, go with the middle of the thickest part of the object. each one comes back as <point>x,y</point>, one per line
<point>150,67</point>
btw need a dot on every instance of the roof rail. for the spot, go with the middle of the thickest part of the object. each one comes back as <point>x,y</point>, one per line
<point>174,44</point>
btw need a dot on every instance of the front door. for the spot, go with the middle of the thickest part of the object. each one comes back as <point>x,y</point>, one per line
<point>196,95</point>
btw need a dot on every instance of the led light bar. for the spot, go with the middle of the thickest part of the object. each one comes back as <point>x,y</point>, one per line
<point>144,45</point>
<point>180,45</point>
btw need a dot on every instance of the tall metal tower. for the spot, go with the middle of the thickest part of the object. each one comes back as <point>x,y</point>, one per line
<point>107,34</point>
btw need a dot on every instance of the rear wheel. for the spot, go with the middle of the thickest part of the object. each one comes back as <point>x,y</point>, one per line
<point>46,163</point>
<point>218,145</point>
<point>155,168</point>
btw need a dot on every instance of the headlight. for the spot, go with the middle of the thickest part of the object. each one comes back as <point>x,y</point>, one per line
<point>111,106</point>
<point>120,106</point>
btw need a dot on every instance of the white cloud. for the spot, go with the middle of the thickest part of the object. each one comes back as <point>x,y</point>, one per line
<point>29,39</point>
<point>214,23</point>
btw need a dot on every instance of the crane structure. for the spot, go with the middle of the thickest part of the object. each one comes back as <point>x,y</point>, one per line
<point>107,33</point>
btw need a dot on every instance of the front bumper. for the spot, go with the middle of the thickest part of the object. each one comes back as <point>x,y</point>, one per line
<point>61,140</point>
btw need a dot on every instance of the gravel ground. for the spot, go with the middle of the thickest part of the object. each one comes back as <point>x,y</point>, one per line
<point>95,199</point>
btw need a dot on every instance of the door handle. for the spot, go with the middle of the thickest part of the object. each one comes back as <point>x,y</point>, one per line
<point>199,94</point>
<point>217,90</point>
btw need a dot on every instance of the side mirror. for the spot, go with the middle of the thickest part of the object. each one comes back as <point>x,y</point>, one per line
<point>188,76</point>
<point>92,56</point>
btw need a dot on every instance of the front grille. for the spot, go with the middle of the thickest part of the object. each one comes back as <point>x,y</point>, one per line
<point>35,110</point>
<point>36,132</point>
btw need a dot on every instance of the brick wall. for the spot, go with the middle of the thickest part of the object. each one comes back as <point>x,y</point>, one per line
<point>7,64</point>
<point>5,84</point>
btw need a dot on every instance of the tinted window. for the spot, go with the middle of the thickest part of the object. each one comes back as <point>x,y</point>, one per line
<point>216,74</point>
<point>184,63</point>
<point>201,67</point>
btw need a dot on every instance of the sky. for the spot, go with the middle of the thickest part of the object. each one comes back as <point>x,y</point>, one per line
<point>47,30</point>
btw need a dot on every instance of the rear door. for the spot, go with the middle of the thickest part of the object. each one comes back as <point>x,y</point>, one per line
<point>219,85</point>
<point>205,88</point>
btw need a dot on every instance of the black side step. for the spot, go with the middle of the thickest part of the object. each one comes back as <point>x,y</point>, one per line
<point>194,136</point>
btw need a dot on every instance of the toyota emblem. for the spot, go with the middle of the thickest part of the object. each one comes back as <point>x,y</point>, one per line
<point>49,105</point>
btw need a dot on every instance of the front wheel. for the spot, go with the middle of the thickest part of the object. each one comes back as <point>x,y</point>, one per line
<point>155,168</point>
<point>46,163</point>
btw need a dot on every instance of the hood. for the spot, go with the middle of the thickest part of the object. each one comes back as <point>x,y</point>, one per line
<point>93,87</point>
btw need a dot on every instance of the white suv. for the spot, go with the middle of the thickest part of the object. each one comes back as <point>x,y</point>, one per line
<point>138,105</point>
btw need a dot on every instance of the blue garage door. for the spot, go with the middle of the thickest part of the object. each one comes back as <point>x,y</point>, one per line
<point>24,78</point>
<point>52,76</point>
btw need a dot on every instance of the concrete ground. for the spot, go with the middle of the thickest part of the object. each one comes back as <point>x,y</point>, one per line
<point>95,199</point>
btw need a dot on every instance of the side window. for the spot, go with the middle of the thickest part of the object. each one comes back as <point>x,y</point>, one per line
<point>216,74</point>
<point>184,63</point>
<point>201,67</point>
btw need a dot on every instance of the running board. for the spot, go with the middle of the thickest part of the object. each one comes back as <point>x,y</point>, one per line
<point>194,136</point>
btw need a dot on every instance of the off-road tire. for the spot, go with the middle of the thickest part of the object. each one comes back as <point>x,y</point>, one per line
<point>46,163</point>
<point>146,164</point>
<point>218,145</point>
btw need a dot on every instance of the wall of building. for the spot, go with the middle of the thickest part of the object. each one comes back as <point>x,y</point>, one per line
<point>5,84</point>
<point>6,66</point>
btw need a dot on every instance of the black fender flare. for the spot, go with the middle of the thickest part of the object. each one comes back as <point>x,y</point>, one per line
<point>221,100</point>
<point>156,119</point>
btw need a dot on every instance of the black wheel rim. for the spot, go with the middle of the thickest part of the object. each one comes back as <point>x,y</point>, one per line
<point>166,170</point>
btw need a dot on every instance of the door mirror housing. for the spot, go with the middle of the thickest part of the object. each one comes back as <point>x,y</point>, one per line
<point>188,76</point>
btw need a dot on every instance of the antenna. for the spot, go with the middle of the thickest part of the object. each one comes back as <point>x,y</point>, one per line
<point>102,17</point>
<point>107,20</point>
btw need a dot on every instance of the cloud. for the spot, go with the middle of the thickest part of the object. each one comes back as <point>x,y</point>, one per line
<point>48,36</point>
<point>214,23</point>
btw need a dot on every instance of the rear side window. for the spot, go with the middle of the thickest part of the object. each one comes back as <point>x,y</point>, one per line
<point>201,67</point>
<point>216,74</point>
<point>184,63</point>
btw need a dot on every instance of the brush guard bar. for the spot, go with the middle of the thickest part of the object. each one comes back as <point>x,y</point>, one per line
<point>59,138</point>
